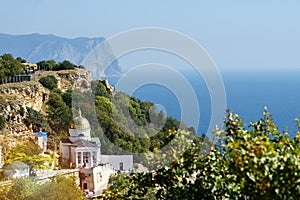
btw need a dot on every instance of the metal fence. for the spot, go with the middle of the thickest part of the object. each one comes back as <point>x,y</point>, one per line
<point>16,79</point>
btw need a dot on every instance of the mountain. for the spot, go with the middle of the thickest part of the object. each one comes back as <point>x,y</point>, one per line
<point>37,47</point>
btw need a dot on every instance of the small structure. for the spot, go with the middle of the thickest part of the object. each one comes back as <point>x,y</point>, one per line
<point>94,180</point>
<point>41,139</point>
<point>120,163</point>
<point>29,67</point>
<point>16,170</point>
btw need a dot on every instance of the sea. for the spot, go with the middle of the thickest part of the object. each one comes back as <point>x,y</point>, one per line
<point>248,92</point>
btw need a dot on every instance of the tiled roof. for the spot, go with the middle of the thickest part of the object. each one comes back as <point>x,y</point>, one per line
<point>65,140</point>
<point>85,143</point>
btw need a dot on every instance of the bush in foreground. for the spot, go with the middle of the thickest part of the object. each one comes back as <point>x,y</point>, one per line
<point>255,162</point>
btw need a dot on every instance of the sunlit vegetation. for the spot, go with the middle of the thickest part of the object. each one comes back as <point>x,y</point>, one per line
<point>256,162</point>
<point>9,66</point>
<point>29,153</point>
<point>51,65</point>
<point>59,187</point>
<point>49,82</point>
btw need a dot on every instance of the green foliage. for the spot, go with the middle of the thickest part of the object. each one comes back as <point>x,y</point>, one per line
<point>131,125</point>
<point>2,122</point>
<point>28,152</point>
<point>65,65</point>
<point>37,120</point>
<point>59,117</point>
<point>22,189</point>
<point>67,98</point>
<point>99,89</point>
<point>47,65</point>
<point>257,162</point>
<point>51,65</point>
<point>10,66</point>
<point>21,60</point>
<point>57,188</point>
<point>264,161</point>
<point>49,82</point>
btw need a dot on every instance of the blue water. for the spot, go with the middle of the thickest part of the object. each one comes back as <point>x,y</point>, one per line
<point>247,92</point>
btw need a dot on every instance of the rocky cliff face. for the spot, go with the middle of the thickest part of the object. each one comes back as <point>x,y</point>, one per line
<point>31,94</point>
<point>75,79</point>
<point>15,97</point>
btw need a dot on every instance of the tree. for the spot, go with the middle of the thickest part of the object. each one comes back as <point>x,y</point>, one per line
<point>257,162</point>
<point>10,67</point>
<point>49,82</point>
<point>2,122</point>
<point>47,65</point>
<point>37,120</point>
<point>59,187</point>
<point>65,65</point>
<point>99,89</point>
<point>59,118</point>
<point>29,153</point>
<point>21,60</point>
<point>22,189</point>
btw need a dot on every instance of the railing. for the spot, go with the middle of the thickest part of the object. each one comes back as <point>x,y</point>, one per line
<point>15,79</point>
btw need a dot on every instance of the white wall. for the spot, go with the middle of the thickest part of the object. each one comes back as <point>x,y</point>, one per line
<point>115,161</point>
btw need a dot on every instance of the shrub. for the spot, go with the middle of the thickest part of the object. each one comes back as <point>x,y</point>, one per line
<point>2,122</point>
<point>49,82</point>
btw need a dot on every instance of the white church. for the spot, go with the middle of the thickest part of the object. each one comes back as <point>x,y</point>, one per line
<point>82,151</point>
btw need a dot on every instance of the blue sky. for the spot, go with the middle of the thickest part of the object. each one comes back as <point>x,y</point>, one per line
<point>237,34</point>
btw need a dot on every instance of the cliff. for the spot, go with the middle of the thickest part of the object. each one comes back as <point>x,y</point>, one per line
<point>14,98</point>
<point>69,79</point>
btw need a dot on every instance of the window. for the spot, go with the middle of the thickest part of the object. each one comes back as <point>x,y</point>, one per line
<point>85,186</point>
<point>121,166</point>
<point>94,159</point>
<point>79,158</point>
<point>86,156</point>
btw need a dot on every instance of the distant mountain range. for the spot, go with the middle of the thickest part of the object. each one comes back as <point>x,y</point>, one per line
<point>37,47</point>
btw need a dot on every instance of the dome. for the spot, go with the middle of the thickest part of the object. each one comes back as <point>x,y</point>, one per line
<point>80,122</point>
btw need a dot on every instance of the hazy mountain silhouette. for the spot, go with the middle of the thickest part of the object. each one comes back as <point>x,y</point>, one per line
<point>37,47</point>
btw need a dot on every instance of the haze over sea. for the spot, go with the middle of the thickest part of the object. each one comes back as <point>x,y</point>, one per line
<point>247,93</point>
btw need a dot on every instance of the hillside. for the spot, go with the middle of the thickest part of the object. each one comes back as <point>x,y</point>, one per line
<point>37,47</point>
<point>51,99</point>
<point>17,98</point>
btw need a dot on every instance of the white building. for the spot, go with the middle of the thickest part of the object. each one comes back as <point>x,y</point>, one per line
<point>94,180</point>
<point>79,150</point>
<point>16,170</point>
<point>41,139</point>
<point>82,151</point>
<point>122,163</point>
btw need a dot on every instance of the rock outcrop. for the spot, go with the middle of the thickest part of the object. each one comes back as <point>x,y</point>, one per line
<point>74,79</point>
<point>108,86</point>
<point>14,98</point>
<point>31,94</point>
